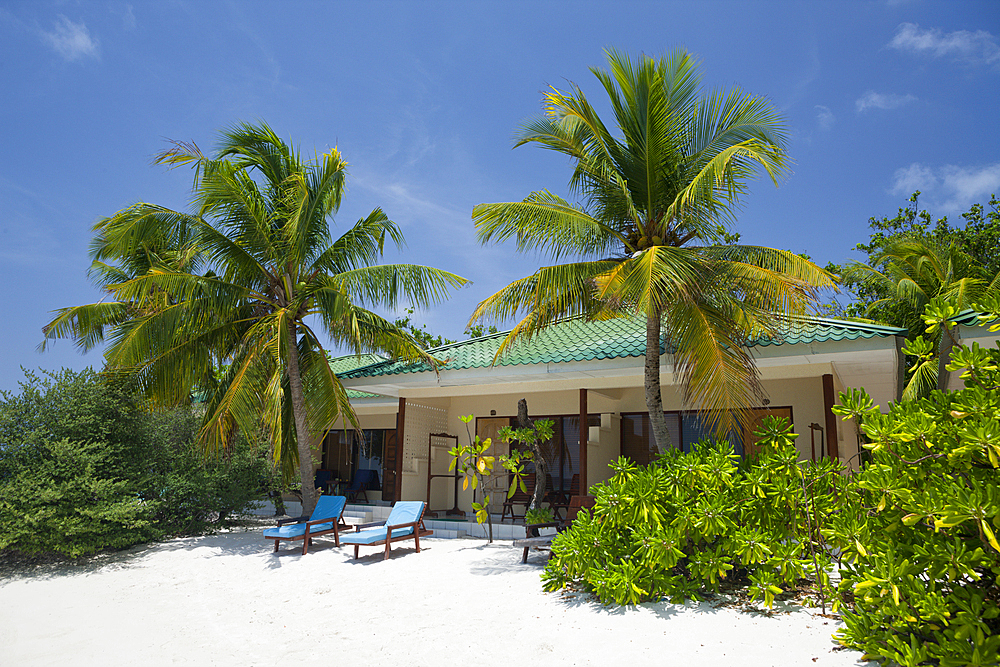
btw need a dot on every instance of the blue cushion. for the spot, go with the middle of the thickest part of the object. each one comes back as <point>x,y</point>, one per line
<point>405,511</point>
<point>329,507</point>
<point>373,535</point>
<point>369,536</point>
<point>295,530</point>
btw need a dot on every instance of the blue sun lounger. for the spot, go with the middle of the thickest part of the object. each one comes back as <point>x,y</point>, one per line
<point>326,518</point>
<point>405,522</point>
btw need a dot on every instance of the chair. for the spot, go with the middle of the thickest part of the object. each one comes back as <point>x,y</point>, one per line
<point>576,503</point>
<point>326,518</point>
<point>405,522</point>
<point>323,480</point>
<point>559,500</point>
<point>363,480</point>
<point>519,498</point>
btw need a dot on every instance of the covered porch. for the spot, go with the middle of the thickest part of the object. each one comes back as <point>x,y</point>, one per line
<point>592,373</point>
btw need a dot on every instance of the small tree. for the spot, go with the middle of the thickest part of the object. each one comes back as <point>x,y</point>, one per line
<point>532,437</point>
<point>476,466</point>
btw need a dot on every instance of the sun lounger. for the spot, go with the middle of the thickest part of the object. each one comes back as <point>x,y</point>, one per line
<point>326,518</point>
<point>405,522</point>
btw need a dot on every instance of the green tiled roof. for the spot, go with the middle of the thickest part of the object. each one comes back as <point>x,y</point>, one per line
<point>575,339</point>
<point>969,318</point>
<point>350,362</point>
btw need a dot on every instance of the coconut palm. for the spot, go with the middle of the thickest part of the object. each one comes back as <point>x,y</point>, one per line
<point>659,194</point>
<point>274,277</point>
<point>908,273</point>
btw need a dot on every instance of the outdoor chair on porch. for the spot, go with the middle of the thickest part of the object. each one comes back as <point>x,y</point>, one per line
<point>559,500</point>
<point>405,522</point>
<point>326,518</point>
<point>363,480</point>
<point>519,498</point>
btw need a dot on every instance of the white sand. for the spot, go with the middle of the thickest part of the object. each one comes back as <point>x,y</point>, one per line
<point>227,600</point>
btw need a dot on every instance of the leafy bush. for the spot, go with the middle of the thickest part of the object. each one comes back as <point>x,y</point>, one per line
<point>690,521</point>
<point>921,561</point>
<point>538,515</point>
<point>84,467</point>
<point>59,501</point>
<point>913,534</point>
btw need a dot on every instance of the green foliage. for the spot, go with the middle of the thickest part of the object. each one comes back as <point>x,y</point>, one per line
<point>538,515</point>
<point>532,437</point>
<point>84,467</point>
<point>659,180</point>
<point>276,286</point>
<point>920,558</point>
<point>59,501</point>
<point>420,334</point>
<point>476,466</point>
<point>690,522</point>
<point>909,263</point>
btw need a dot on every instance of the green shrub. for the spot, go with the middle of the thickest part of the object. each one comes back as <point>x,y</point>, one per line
<point>687,522</point>
<point>60,502</point>
<point>84,467</point>
<point>921,561</point>
<point>538,515</point>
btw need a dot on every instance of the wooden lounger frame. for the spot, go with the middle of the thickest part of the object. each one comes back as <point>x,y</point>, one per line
<point>418,531</point>
<point>338,525</point>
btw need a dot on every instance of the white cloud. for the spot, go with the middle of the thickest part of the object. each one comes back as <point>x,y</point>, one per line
<point>824,117</point>
<point>873,100</point>
<point>71,40</point>
<point>915,177</point>
<point>975,47</point>
<point>949,189</point>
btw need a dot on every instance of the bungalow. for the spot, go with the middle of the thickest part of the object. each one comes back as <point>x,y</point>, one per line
<point>590,373</point>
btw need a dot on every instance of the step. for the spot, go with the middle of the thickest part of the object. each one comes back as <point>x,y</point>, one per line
<point>446,534</point>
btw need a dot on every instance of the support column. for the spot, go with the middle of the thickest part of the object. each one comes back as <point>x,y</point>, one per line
<point>832,441</point>
<point>584,436</point>
<point>400,444</point>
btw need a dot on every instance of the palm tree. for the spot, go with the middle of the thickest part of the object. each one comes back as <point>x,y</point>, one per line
<point>907,274</point>
<point>652,233</point>
<point>274,275</point>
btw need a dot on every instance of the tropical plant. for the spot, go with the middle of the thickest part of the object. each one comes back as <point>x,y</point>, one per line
<point>920,556</point>
<point>659,198</point>
<point>476,466</point>
<point>536,515</point>
<point>690,523</point>
<point>85,467</point>
<point>908,274</point>
<point>531,437</point>
<point>273,272</point>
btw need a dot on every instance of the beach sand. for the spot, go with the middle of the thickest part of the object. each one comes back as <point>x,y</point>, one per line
<point>225,599</point>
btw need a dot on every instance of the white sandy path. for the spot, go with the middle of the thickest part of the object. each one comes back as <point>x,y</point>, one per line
<point>227,600</point>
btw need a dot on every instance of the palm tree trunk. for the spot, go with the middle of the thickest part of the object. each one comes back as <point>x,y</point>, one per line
<point>302,439</point>
<point>654,401</point>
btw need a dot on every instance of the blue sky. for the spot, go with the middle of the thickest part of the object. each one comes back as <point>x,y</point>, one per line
<point>880,97</point>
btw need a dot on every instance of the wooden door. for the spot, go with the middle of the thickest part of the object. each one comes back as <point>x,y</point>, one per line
<point>496,486</point>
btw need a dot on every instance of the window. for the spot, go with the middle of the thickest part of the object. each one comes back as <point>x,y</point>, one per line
<point>563,451</point>
<point>686,428</point>
<point>346,452</point>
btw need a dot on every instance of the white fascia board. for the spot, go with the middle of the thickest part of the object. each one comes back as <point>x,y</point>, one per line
<point>978,334</point>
